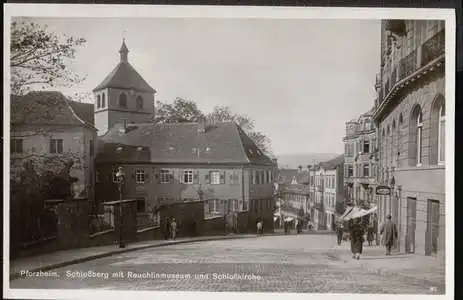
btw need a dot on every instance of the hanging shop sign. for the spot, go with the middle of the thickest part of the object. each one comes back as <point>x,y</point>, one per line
<point>383,190</point>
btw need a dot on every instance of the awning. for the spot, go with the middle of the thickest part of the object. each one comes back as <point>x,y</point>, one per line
<point>288,219</point>
<point>356,212</point>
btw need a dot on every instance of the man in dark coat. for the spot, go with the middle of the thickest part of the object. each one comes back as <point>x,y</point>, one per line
<point>356,237</point>
<point>339,231</point>
<point>389,232</point>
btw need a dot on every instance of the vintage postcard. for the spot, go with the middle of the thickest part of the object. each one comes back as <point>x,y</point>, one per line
<point>178,151</point>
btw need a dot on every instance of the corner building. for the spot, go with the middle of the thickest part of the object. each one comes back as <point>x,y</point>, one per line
<point>410,118</point>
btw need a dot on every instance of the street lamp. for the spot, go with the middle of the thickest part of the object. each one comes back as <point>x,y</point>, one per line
<point>120,175</point>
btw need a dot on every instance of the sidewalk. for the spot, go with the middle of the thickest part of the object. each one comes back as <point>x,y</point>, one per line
<point>293,232</point>
<point>59,259</point>
<point>426,269</point>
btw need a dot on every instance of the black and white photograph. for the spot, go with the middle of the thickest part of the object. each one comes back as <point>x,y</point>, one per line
<point>280,151</point>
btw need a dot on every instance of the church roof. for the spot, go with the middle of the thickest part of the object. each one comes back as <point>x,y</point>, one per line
<point>50,108</point>
<point>179,143</point>
<point>124,76</point>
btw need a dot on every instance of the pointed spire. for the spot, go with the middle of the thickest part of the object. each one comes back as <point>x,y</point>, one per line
<point>124,51</point>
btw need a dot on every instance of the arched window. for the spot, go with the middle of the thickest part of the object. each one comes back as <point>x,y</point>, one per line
<point>98,101</point>
<point>123,100</point>
<point>441,138</point>
<point>415,146</point>
<point>103,100</point>
<point>401,119</point>
<point>437,135</point>
<point>139,102</point>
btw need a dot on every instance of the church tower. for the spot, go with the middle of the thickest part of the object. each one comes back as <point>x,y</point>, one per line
<point>123,96</point>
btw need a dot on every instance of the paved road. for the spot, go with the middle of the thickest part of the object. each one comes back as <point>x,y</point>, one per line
<point>296,263</point>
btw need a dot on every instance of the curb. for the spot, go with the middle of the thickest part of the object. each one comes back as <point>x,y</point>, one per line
<point>17,275</point>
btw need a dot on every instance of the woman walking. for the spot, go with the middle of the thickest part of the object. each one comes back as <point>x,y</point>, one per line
<point>370,234</point>
<point>356,235</point>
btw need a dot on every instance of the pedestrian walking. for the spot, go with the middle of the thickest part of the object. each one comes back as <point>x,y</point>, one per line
<point>389,232</point>
<point>370,234</point>
<point>173,229</point>
<point>340,232</point>
<point>356,238</point>
<point>166,228</point>
<point>259,228</point>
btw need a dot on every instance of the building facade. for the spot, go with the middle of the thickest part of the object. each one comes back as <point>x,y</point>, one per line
<point>327,189</point>
<point>49,130</point>
<point>360,157</point>
<point>216,163</point>
<point>410,119</point>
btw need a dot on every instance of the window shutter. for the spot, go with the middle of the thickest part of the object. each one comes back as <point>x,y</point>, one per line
<point>222,178</point>
<point>207,178</point>
<point>196,177</point>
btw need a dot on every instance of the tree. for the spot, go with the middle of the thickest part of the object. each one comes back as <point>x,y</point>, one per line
<point>40,58</point>
<point>180,111</point>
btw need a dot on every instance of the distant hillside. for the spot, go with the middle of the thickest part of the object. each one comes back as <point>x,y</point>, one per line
<point>292,161</point>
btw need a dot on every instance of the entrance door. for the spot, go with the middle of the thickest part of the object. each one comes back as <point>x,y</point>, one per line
<point>411,225</point>
<point>432,227</point>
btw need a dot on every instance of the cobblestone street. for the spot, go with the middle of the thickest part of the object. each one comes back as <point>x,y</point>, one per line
<point>295,263</point>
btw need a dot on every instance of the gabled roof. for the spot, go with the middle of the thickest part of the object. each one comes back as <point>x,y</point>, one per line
<point>179,143</point>
<point>124,76</point>
<point>50,108</point>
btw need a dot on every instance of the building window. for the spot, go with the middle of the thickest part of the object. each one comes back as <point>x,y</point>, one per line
<point>91,150</point>
<point>140,176</point>
<point>16,146</point>
<point>419,139</point>
<point>165,176</point>
<point>123,100</point>
<point>98,101</point>
<point>56,146</point>
<point>103,100</point>
<point>141,205</point>
<point>366,146</point>
<point>401,119</point>
<point>214,177</point>
<point>441,135</point>
<point>188,177</point>
<point>213,206</point>
<point>350,171</point>
<point>139,102</point>
<point>366,170</point>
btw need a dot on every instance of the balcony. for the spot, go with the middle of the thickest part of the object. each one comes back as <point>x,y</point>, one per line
<point>433,48</point>
<point>421,60</point>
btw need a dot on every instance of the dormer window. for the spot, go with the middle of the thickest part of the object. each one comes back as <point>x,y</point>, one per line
<point>123,100</point>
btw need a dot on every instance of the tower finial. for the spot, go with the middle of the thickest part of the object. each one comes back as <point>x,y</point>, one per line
<point>124,51</point>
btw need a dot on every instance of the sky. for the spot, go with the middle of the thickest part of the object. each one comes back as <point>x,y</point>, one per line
<point>299,79</point>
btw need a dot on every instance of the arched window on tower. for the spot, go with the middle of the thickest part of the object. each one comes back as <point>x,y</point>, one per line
<point>139,102</point>
<point>98,101</point>
<point>415,148</point>
<point>103,100</point>
<point>123,100</point>
<point>437,136</point>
